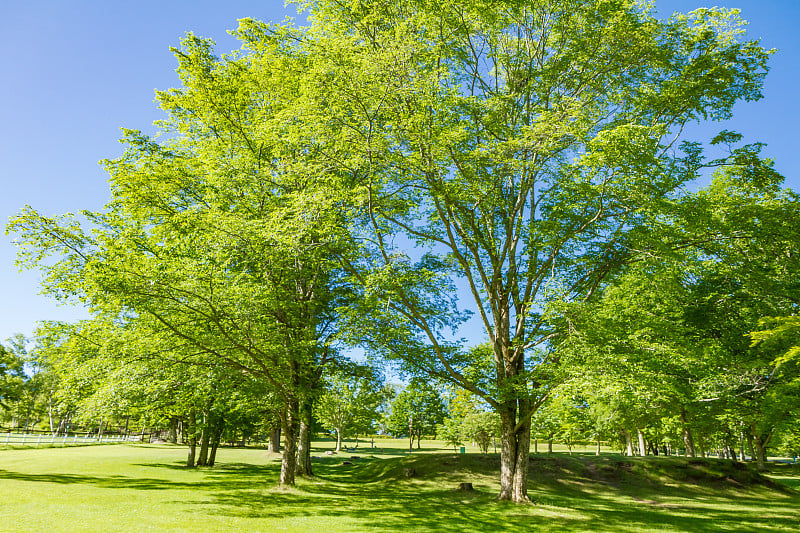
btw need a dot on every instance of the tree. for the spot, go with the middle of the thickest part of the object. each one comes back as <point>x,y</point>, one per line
<point>351,401</point>
<point>451,431</point>
<point>418,409</point>
<point>12,377</point>
<point>209,240</point>
<point>481,427</point>
<point>669,335</point>
<point>527,149</point>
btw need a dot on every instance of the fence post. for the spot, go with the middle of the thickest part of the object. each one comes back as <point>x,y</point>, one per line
<point>39,440</point>
<point>8,437</point>
<point>23,438</point>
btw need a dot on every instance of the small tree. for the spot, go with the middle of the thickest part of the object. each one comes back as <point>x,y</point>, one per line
<point>419,407</point>
<point>352,399</point>
<point>480,428</point>
<point>451,432</point>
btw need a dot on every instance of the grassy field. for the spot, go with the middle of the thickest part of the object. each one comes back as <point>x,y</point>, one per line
<point>145,488</point>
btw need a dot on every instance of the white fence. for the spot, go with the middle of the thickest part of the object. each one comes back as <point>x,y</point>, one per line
<point>47,439</point>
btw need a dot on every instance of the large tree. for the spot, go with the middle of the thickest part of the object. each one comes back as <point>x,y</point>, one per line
<point>210,241</point>
<point>670,337</point>
<point>525,149</point>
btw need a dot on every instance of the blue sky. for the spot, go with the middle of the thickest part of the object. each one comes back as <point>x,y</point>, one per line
<point>75,72</point>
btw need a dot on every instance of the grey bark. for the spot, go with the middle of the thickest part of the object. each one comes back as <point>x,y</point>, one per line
<point>642,443</point>
<point>515,439</point>
<point>290,426</point>
<point>274,445</point>
<point>219,426</point>
<point>303,467</point>
<point>628,442</point>
<point>760,442</point>
<point>192,434</point>
<point>205,438</point>
<point>688,439</point>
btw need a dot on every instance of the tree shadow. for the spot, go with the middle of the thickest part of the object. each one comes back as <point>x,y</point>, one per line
<point>571,494</point>
<point>373,494</point>
<point>113,482</point>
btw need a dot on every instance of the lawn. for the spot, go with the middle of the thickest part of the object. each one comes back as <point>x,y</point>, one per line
<point>145,488</point>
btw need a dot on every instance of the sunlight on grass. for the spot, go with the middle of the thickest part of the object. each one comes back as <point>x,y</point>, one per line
<point>146,488</point>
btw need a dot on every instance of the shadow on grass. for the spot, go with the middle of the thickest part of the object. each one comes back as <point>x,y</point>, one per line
<point>118,482</point>
<point>569,497</point>
<point>230,477</point>
<point>571,493</point>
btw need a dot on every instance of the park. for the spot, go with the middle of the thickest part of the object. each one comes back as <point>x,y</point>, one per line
<point>144,487</point>
<point>445,265</point>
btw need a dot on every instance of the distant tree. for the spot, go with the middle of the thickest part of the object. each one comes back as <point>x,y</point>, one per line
<point>451,431</point>
<point>420,407</point>
<point>481,428</point>
<point>12,377</point>
<point>351,401</point>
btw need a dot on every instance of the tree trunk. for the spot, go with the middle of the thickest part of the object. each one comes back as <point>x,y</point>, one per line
<point>701,444</point>
<point>205,438</point>
<point>28,416</point>
<point>628,442</point>
<point>192,434</point>
<point>216,437</point>
<point>304,442</point>
<point>642,443</point>
<point>50,411</point>
<point>597,451</point>
<point>173,430</point>
<point>688,440</point>
<point>274,445</point>
<point>515,451</point>
<point>338,439</point>
<point>535,445</point>
<point>760,447</point>
<point>290,426</point>
<point>63,424</point>
<point>749,438</point>
<point>741,445</point>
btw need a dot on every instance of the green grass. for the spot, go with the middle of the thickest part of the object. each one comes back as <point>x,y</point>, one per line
<point>145,488</point>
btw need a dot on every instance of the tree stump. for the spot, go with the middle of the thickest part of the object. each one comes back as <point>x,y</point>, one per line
<point>466,487</point>
<point>409,472</point>
<point>347,462</point>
